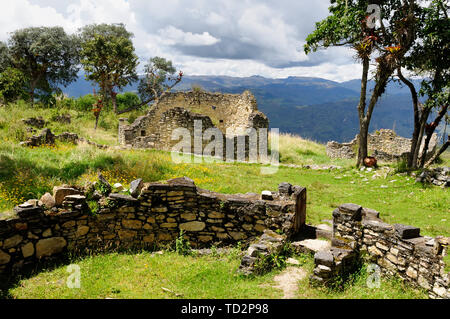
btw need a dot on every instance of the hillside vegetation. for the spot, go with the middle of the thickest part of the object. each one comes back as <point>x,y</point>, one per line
<point>30,172</point>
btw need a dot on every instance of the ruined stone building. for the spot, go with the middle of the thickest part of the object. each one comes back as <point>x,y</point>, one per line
<point>223,112</point>
<point>384,144</point>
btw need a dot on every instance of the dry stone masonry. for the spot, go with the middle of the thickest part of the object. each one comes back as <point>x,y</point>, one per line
<point>397,249</point>
<point>182,109</point>
<point>46,137</point>
<point>384,145</point>
<point>153,216</point>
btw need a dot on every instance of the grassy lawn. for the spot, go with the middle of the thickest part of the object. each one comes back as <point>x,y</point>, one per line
<point>144,275</point>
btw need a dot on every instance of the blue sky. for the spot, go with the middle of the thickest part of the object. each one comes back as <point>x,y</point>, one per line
<point>203,37</point>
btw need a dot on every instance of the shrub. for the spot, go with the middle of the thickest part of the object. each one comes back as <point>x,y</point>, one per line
<point>85,103</point>
<point>182,245</point>
<point>127,99</point>
<point>12,85</point>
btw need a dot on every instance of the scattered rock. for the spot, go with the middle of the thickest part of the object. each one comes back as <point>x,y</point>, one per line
<point>118,187</point>
<point>136,187</point>
<point>38,122</point>
<point>439,176</point>
<point>48,201</point>
<point>60,192</point>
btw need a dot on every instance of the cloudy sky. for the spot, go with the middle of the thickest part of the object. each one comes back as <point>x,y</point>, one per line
<point>202,37</point>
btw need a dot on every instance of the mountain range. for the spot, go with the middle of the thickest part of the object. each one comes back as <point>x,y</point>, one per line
<point>314,108</point>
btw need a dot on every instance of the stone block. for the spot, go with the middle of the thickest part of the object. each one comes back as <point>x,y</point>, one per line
<point>352,210</point>
<point>324,257</point>
<point>50,246</point>
<point>28,250</point>
<point>406,232</point>
<point>285,189</point>
<point>193,226</point>
<point>59,193</point>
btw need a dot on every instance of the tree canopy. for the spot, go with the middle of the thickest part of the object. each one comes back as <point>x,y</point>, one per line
<point>47,56</point>
<point>108,58</point>
<point>349,24</point>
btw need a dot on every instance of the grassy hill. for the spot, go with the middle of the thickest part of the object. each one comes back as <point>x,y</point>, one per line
<point>30,172</point>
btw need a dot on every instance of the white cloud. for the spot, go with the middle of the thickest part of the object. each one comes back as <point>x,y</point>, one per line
<point>171,36</point>
<point>20,14</point>
<point>203,37</point>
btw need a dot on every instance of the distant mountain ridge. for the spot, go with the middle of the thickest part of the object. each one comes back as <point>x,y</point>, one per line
<point>313,108</point>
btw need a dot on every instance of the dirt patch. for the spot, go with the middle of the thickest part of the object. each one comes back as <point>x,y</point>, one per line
<point>288,281</point>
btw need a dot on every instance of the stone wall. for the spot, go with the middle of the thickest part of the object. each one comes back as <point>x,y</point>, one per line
<point>397,249</point>
<point>181,109</point>
<point>153,217</point>
<point>384,145</point>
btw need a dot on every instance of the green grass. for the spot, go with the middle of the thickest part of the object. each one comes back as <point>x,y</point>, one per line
<point>30,172</point>
<point>144,275</point>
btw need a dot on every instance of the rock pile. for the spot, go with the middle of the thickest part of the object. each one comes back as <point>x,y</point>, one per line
<point>385,145</point>
<point>38,122</point>
<point>46,137</point>
<point>439,176</point>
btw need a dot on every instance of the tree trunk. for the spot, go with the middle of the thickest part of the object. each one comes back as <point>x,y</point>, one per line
<point>32,95</point>
<point>114,101</point>
<point>415,137</point>
<point>362,138</point>
<point>363,149</point>
<point>423,121</point>
<point>96,121</point>
<point>441,150</point>
<point>365,122</point>
<point>430,132</point>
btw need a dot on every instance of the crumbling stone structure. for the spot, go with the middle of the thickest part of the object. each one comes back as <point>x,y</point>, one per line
<point>396,249</point>
<point>153,216</point>
<point>385,145</point>
<point>46,137</point>
<point>226,112</point>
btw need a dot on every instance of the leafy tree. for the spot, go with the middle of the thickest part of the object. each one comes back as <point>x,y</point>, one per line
<point>127,99</point>
<point>12,85</point>
<point>160,78</point>
<point>107,55</point>
<point>47,56</point>
<point>348,25</point>
<point>4,57</point>
<point>429,58</point>
<point>85,102</point>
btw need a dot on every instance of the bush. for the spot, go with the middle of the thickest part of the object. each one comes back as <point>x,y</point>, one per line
<point>182,245</point>
<point>86,102</point>
<point>127,99</point>
<point>12,85</point>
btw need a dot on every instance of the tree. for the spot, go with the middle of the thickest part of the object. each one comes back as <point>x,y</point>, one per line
<point>47,56</point>
<point>108,58</point>
<point>160,78</point>
<point>4,57</point>
<point>349,25</point>
<point>12,85</point>
<point>429,58</point>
